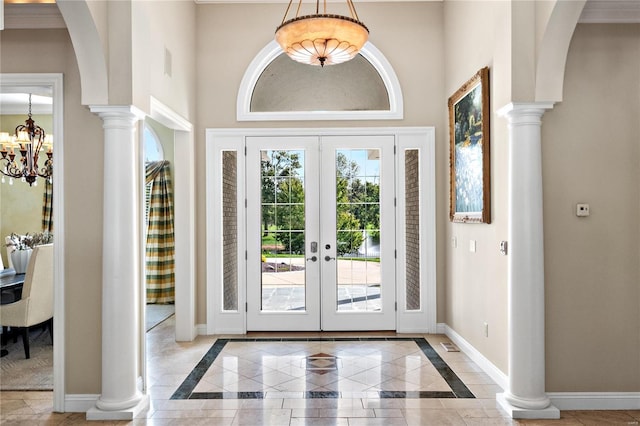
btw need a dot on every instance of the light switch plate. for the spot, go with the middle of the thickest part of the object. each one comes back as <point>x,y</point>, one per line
<point>582,209</point>
<point>472,246</point>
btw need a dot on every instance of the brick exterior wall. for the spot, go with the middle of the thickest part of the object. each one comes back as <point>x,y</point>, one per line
<point>230,230</point>
<point>412,227</point>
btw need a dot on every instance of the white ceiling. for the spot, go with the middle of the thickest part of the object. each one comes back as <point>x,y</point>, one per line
<point>48,16</point>
<point>18,103</point>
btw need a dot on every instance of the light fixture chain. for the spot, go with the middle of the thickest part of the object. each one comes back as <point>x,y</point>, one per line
<point>354,14</point>
<point>284,18</point>
<point>299,7</point>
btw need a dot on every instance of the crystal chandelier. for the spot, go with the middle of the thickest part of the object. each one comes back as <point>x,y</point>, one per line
<point>29,140</point>
<point>321,38</point>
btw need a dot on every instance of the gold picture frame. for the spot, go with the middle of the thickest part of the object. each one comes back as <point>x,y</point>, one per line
<point>469,154</point>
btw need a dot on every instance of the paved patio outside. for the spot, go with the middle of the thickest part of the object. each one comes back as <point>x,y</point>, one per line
<point>358,286</point>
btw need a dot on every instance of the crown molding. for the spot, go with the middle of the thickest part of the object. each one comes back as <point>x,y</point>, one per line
<point>287,1</point>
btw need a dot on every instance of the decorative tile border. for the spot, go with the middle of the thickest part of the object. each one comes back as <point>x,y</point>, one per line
<point>459,389</point>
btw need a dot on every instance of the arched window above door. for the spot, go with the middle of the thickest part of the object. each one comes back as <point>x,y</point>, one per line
<point>276,88</point>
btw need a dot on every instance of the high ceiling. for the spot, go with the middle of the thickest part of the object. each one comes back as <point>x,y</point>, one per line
<point>44,14</point>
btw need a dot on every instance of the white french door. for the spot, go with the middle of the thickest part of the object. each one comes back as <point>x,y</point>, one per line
<point>283,266</point>
<point>320,233</point>
<point>358,233</point>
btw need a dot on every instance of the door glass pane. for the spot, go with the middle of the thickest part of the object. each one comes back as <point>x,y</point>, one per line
<point>230,230</point>
<point>412,228</point>
<point>358,229</point>
<point>283,230</point>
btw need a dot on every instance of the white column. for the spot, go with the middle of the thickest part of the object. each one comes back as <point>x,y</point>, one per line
<point>120,398</point>
<point>526,397</point>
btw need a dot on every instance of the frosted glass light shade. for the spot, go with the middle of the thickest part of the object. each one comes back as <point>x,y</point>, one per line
<point>322,39</point>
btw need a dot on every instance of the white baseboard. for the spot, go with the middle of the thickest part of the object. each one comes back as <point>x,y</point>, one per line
<point>79,403</point>
<point>202,330</point>
<point>413,331</point>
<point>487,366</point>
<point>595,400</point>
<point>561,400</point>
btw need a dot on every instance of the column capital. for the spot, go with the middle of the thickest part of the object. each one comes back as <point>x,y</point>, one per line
<point>528,110</point>
<point>113,115</point>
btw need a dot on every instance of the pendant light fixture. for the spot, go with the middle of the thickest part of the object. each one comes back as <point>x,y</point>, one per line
<point>321,38</point>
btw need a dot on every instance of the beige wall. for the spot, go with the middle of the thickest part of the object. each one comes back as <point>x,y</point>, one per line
<point>161,25</point>
<point>590,150</point>
<point>230,36</point>
<point>476,283</point>
<point>21,204</point>
<point>591,154</point>
<point>51,51</point>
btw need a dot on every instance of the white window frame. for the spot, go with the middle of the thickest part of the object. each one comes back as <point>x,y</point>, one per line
<point>272,50</point>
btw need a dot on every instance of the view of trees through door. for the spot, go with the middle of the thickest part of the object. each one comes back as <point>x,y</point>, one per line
<point>283,212</point>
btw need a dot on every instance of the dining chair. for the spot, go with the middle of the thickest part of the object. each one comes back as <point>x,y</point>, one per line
<point>36,304</point>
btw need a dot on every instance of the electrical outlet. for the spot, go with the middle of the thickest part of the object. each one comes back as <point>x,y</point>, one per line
<point>472,246</point>
<point>486,329</point>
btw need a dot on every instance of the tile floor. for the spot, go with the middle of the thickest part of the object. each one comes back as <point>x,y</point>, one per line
<point>317,382</point>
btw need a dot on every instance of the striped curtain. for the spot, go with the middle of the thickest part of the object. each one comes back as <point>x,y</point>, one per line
<point>160,261</point>
<point>47,207</point>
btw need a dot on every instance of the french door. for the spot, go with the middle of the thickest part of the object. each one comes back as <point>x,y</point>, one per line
<point>320,233</point>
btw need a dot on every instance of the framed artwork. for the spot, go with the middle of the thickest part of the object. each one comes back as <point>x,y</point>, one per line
<point>470,197</point>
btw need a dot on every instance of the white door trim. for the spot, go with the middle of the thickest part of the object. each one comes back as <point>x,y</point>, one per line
<point>184,217</point>
<point>55,82</point>
<point>219,321</point>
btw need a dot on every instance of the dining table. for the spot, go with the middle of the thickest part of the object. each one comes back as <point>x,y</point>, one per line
<point>10,282</point>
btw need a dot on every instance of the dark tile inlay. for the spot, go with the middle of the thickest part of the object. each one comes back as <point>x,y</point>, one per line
<point>321,394</point>
<point>225,395</point>
<point>321,363</point>
<point>415,394</point>
<point>185,390</point>
<point>454,382</point>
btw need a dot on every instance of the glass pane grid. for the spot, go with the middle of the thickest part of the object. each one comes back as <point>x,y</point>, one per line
<point>283,231</point>
<point>357,233</point>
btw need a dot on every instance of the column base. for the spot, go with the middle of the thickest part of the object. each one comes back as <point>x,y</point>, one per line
<point>550,412</point>
<point>126,414</point>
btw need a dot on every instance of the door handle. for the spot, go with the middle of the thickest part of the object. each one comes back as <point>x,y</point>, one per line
<point>328,258</point>
<point>312,258</point>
